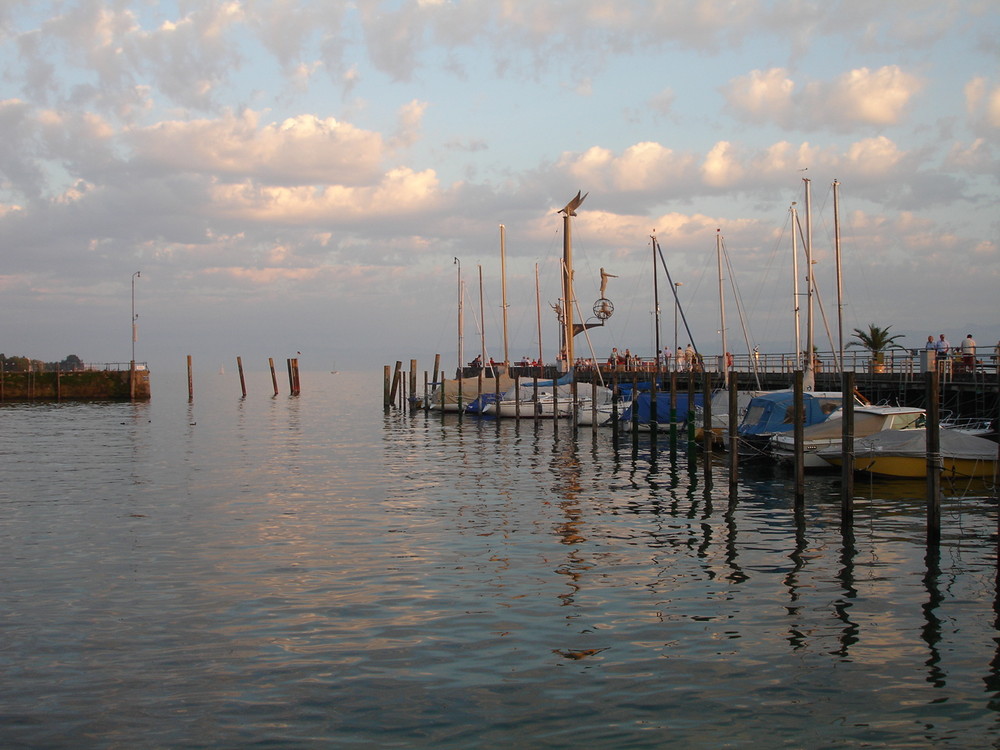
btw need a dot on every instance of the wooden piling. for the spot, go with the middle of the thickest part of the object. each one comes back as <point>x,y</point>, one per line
<point>291,378</point>
<point>413,379</point>
<point>190,380</point>
<point>707,435</point>
<point>386,397</point>
<point>797,429</point>
<point>394,388</point>
<point>931,387</point>
<point>847,450</point>
<point>673,415</point>
<point>274,375</point>
<point>437,368</point>
<point>243,380</point>
<point>734,441</point>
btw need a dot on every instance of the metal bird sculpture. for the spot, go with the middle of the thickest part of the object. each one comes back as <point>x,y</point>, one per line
<point>570,209</point>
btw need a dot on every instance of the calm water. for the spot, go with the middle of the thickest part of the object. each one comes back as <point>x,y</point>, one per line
<point>312,572</point>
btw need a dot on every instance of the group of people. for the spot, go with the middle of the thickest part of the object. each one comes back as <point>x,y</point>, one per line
<point>942,348</point>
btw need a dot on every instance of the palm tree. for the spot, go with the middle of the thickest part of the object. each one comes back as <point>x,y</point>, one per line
<point>876,340</point>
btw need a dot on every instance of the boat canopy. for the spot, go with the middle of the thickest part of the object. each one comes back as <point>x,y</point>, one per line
<point>643,405</point>
<point>775,412</point>
<point>913,443</point>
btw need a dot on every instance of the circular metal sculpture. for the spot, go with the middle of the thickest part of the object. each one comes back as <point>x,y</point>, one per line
<point>603,308</point>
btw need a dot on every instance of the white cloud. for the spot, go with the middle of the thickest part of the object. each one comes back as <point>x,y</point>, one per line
<point>859,97</point>
<point>302,150</point>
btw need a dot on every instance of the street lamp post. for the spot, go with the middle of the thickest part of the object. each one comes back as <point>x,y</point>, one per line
<point>677,286</point>
<point>135,331</point>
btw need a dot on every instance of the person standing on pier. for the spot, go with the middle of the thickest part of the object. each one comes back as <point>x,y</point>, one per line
<point>943,346</point>
<point>969,352</point>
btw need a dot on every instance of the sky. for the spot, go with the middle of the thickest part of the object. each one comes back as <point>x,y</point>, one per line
<point>271,178</point>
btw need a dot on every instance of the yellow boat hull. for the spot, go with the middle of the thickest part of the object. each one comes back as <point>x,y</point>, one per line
<point>913,467</point>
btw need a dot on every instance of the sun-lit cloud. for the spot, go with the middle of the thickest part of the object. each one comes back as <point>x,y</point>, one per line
<point>861,96</point>
<point>300,150</point>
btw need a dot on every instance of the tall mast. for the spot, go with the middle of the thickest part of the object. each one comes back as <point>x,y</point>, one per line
<point>809,376</point>
<point>722,308</point>
<point>538,314</point>
<point>840,280</point>
<point>795,282</point>
<point>461,295</point>
<point>482,317</point>
<point>656,304</point>
<point>503,292</point>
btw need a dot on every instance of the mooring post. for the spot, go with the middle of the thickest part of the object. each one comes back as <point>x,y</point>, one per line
<point>931,387</point>
<point>437,368</point>
<point>190,379</point>
<point>131,381</point>
<point>673,415</point>
<point>291,378</point>
<point>593,405</point>
<point>734,441</point>
<point>614,410</point>
<point>243,382</point>
<point>386,399</point>
<point>413,379</point>
<point>395,381</point>
<point>427,394</point>
<point>653,412</point>
<point>707,435</point>
<point>274,375</point>
<point>847,450</point>
<point>692,443</point>
<point>798,426</point>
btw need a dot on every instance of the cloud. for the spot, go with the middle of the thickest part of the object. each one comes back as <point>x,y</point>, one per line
<point>862,97</point>
<point>982,103</point>
<point>301,150</point>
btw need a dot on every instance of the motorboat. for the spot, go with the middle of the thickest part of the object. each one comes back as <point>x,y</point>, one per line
<point>774,413</point>
<point>903,453</point>
<point>827,434</point>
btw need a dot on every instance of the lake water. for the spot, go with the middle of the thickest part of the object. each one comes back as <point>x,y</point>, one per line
<point>316,572</point>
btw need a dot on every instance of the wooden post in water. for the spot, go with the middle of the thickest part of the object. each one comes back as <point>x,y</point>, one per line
<point>131,382</point>
<point>386,398</point>
<point>395,381</point>
<point>190,380</point>
<point>593,405</point>
<point>931,386</point>
<point>653,413</point>
<point>692,443</point>
<point>615,437</point>
<point>298,383</point>
<point>673,415</point>
<point>243,382</point>
<point>797,427</point>
<point>291,378</point>
<point>427,394</point>
<point>707,435</point>
<point>413,379</point>
<point>847,450</point>
<point>274,375</point>
<point>734,440</point>
<point>437,368</point>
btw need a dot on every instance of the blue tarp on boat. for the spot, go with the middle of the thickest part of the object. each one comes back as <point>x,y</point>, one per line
<point>643,405</point>
<point>774,412</point>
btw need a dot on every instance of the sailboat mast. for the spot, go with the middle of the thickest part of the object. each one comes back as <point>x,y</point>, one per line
<point>538,314</point>
<point>840,279</point>
<point>722,308</point>
<point>795,282</point>
<point>503,292</point>
<point>482,317</point>
<point>808,371</point>
<point>461,295</point>
<point>656,304</point>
